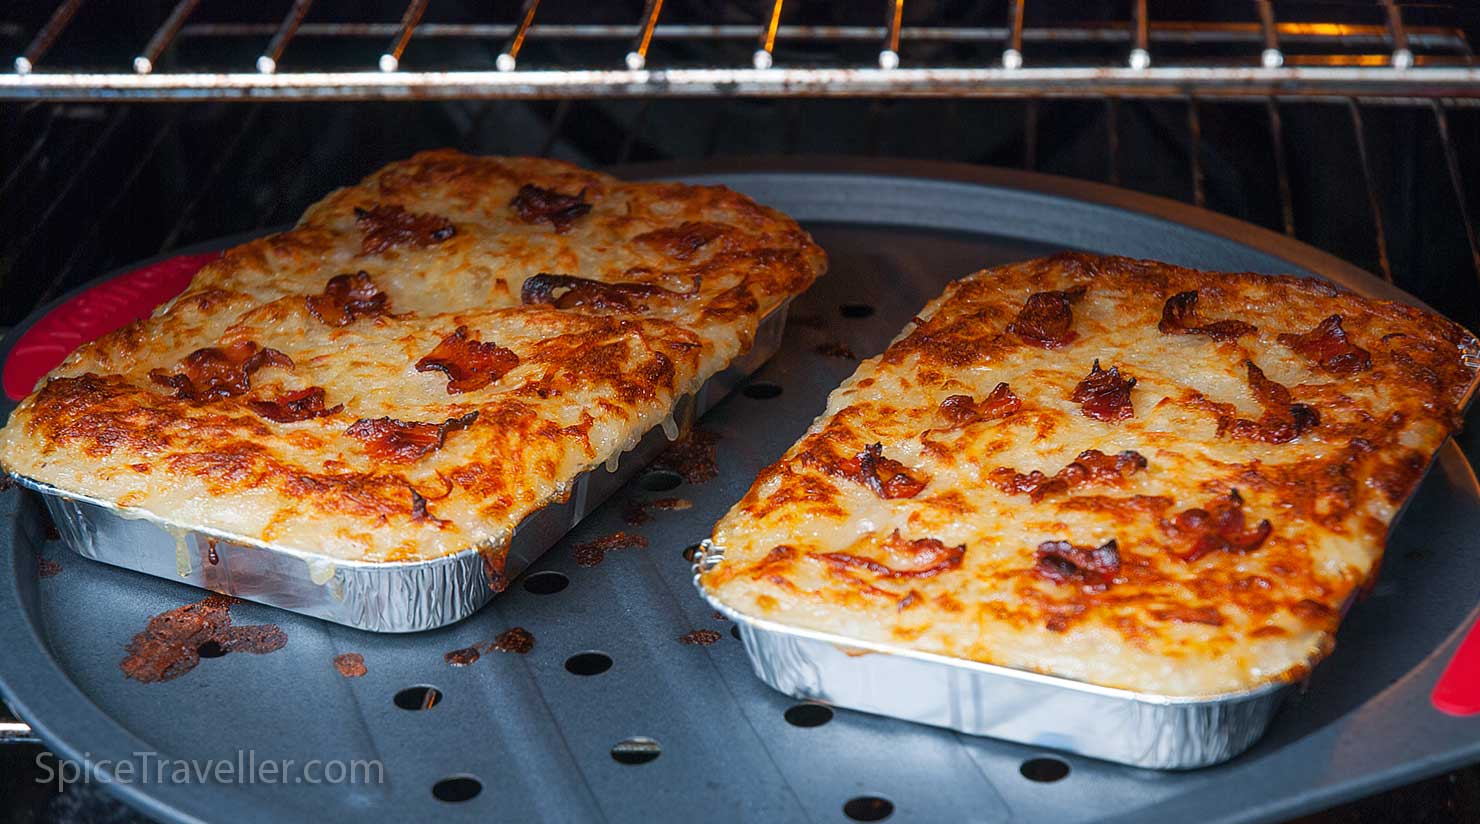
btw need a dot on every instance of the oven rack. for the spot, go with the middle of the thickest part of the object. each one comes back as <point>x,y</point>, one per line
<point>1383,49</point>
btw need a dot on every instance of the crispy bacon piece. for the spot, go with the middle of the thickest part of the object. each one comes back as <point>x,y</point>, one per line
<point>1064,563</point>
<point>595,294</point>
<point>1179,317</point>
<point>1091,467</point>
<point>1329,347</point>
<point>888,478</point>
<point>215,372</point>
<point>1223,528</point>
<point>920,558</point>
<point>393,441</point>
<point>468,364</point>
<point>1045,319</point>
<point>683,241</point>
<point>295,406</point>
<point>961,410</point>
<point>389,225</point>
<point>1283,420</point>
<point>1105,396</point>
<point>347,298</point>
<point>534,204</point>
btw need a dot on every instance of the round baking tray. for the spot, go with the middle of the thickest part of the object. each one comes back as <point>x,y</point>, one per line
<point>542,741</point>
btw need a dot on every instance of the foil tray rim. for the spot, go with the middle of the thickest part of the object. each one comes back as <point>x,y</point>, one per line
<point>710,556</point>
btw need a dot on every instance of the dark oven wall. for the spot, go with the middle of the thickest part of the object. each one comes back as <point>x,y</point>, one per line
<point>89,187</point>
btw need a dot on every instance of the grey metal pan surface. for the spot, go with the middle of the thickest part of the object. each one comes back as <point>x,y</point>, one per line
<point>538,738</point>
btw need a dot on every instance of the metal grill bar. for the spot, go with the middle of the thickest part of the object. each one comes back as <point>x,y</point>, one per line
<point>1271,57</point>
<point>764,55</point>
<point>1288,81</point>
<point>508,59</point>
<point>268,60</point>
<point>1402,55</point>
<point>1456,178</point>
<point>1012,56</point>
<point>1141,41</point>
<point>1389,59</point>
<point>1163,32</point>
<point>144,63</point>
<point>1282,169</point>
<point>41,43</point>
<point>1372,200</point>
<point>889,55</point>
<point>391,60</point>
<point>637,57</point>
<point>1194,157</point>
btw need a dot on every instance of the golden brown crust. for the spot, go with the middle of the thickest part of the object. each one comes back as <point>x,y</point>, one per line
<point>371,385</point>
<point>1196,531</point>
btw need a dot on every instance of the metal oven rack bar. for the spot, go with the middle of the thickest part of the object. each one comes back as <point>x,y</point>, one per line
<point>1246,53</point>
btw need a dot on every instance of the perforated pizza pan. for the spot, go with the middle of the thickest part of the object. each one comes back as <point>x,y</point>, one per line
<point>610,716</point>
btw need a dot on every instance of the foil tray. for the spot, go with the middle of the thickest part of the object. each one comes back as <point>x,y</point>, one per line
<point>1134,728</point>
<point>398,596</point>
<point>548,737</point>
<point>1138,729</point>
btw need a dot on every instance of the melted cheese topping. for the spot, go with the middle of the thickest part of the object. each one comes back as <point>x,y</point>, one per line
<point>814,544</point>
<point>592,374</point>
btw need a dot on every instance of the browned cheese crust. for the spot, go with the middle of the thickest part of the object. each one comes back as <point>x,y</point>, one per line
<point>1118,471</point>
<point>424,360</point>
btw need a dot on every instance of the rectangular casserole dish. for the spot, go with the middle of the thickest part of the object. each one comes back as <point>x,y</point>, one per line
<point>875,578</point>
<point>383,414</point>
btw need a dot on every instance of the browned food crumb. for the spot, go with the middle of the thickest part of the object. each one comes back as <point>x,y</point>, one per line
<point>350,664</point>
<point>836,349</point>
<point>170,644</point>
<point>517,639</point>
<point>719,616</point>
<point>462,657</point>
<point>700,637</point>
<point>636,511</point>
<point>591,553</point>
<point>46,568</point>
<point>691,456</point>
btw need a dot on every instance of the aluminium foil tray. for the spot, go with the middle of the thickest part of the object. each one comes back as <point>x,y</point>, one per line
<point>539,738</point>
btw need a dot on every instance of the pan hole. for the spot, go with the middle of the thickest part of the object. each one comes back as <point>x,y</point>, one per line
<point>546,583</point>
<point>660,480</point>
<point>1045,770</point>
<point>637,750</point>
<point>735,631</point>
<point>868,808</point>
<point>420,697</point>
<point>457,788</point>
<point>808,715</point>
<point>691,553</point>
<point>856,310</point>
<point>761,390</point>
<point>588,663</point>
<point>210,649</point>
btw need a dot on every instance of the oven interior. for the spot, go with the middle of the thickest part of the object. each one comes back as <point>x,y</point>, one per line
<point>1357,152</point>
